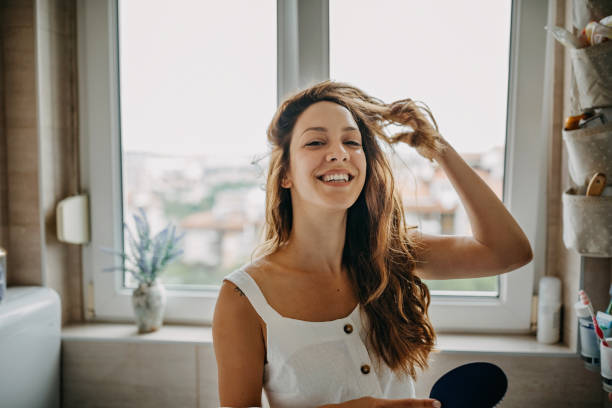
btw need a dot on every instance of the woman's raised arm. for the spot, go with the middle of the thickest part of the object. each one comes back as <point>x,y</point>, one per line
<point>239,349</point>
<point>498,243</point>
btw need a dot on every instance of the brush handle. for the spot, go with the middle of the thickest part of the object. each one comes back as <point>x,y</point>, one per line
<point>597,328</point>
<point>590,306</point>
<point>585,300</point>
<point>600,333</point>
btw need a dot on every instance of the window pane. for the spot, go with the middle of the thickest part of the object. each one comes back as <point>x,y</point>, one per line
<point>447,55</point>
<point>198,88</point>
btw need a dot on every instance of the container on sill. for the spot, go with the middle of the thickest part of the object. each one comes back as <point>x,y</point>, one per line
<point>606,365</point>
<point>2,274</point>
<point>589,343</point>
<point>549,310</point>
<point>587,223</point>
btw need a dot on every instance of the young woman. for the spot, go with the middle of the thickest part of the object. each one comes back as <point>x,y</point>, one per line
<point>333,311</point>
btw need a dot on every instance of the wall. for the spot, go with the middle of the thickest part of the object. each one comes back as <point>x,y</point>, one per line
<point>576,272</point>
<point>39,128</point>
<point>162,374</point>
<point>22,227</point>
<point>3,157</point>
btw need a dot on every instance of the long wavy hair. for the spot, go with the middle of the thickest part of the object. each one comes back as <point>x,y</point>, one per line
<point>379,253</point>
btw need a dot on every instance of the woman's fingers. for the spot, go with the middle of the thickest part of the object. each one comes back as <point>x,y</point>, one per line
<point>412,403</point>
<point>370,402</point>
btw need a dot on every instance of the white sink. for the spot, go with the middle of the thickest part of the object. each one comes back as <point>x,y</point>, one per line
<point>30,327</point>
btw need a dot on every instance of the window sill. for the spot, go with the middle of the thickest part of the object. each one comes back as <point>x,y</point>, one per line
<point>501,344</point>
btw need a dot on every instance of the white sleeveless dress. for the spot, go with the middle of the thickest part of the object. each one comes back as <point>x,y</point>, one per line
<point>315,363</point>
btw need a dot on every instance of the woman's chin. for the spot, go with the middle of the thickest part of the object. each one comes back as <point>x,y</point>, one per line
<point>337,205</point>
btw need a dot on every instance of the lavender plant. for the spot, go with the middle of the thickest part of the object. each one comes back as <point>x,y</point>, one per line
<point>148,255</point>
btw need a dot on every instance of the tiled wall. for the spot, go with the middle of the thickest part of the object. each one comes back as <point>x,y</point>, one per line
<point>39,125</point>
<point>58,138</point>
<point>3,157</point>
<point>116,374</point>
<point>105,374</point>
<point>559,260</point>
<point>22,225</point>
<point>544,382</point>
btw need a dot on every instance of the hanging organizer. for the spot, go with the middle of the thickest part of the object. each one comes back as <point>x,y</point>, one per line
<point>593,73</point>
<point>587,221</point>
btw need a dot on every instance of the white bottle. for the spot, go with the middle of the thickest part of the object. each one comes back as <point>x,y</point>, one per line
<point>549,310</point>
<point>2,274</point>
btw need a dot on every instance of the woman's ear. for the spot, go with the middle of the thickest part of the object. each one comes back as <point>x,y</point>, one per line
<point>285,179</point>
<point>285,182</point>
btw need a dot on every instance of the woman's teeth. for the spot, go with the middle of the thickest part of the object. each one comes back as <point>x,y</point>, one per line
<point>336,177</point>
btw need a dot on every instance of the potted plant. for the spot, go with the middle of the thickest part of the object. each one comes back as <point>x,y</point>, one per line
<point>146,260</point>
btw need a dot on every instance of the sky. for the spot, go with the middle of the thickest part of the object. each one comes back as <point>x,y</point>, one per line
<point>199,77</point>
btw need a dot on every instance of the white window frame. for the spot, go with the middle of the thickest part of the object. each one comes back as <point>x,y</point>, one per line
<point>303,58</point>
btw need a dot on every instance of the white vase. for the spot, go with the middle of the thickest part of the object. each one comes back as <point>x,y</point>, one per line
<point>149,302</point>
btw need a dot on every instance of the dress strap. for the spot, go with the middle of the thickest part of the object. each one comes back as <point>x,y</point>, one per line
<point>249,287</point>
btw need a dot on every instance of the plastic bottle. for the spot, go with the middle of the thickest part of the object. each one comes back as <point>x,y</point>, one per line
<point>2,273</point>
<point>609,309</point>
<point>549,310</point>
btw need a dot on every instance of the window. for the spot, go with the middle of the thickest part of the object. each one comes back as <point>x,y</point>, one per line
<point>191,165</point>
<point>156,131</point>
<point>462,75</point>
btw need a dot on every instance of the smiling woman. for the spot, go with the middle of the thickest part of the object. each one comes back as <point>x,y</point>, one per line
<point>333,309</point>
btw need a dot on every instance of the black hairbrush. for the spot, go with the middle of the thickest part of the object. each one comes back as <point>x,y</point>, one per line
<point>472,385</point>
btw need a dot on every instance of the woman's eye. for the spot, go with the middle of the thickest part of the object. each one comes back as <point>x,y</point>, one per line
<point>318,143</point>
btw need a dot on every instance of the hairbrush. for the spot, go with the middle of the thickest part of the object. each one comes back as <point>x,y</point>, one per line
<point>472,385</point>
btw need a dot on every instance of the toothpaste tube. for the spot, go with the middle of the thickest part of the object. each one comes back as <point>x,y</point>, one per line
<point>605,323</point>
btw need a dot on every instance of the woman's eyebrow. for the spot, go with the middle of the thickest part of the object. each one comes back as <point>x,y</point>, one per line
<point>324,129</point>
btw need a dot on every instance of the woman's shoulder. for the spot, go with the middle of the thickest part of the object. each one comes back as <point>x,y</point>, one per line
<point>261,269</point>
<point>237,294</point>
<point>249,279</point>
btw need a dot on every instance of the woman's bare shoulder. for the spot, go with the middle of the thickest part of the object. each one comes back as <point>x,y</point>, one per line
<point>257,270</point>
<point>261,269</point>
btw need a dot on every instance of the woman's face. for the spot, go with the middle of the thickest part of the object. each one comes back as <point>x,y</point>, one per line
<point>326,143</point>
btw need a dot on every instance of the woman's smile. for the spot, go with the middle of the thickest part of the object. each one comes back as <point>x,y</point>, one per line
<point>336,181</point>
<point>336,177</point>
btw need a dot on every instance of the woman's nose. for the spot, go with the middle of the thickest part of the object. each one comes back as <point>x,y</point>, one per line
<point>337,154</point>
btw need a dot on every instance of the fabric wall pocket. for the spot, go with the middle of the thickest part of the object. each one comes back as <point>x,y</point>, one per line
<point>587,223</point>
<point>589,151</point>
<point>593,74</point>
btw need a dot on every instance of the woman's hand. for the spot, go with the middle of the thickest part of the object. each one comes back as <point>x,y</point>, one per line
<point>371,402</point>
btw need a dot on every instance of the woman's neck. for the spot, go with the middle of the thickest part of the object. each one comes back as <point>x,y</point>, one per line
<point>316,242</point>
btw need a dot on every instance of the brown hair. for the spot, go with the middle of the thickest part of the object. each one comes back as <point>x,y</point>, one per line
<point>378,252</point>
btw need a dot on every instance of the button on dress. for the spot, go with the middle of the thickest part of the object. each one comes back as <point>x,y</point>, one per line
<point>317,363</point>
